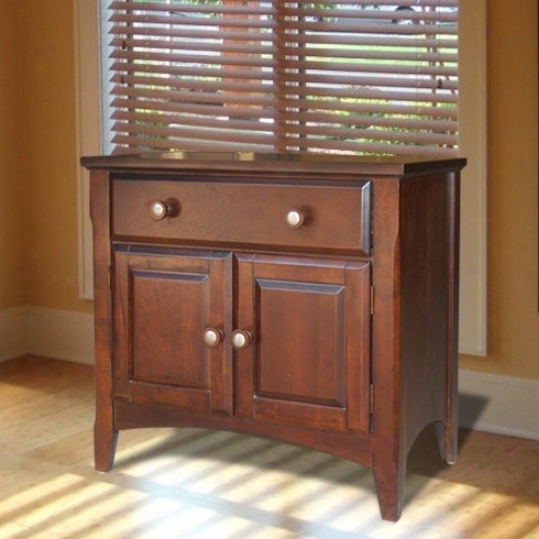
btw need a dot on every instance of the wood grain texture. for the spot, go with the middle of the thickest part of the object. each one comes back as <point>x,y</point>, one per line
<point>307,370</point>
<point>217,213</point>
<point>207,484</point>
<point>164,303</point>
<point>350,318</point>
<point>106,434</point>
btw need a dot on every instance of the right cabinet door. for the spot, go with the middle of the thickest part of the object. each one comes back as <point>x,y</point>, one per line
<point>309,362</point>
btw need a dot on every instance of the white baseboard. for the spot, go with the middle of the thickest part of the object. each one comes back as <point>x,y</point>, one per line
<point>500,404</point>
<point>54,333</point>
<point>12,333</point>
<point>60,334</point>
<point>488,402</point>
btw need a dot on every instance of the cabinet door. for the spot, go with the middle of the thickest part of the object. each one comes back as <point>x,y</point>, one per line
<point>309,360</point>
<point>163,303</point>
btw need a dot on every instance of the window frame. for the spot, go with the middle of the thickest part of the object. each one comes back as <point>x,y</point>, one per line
<point>93,131</point>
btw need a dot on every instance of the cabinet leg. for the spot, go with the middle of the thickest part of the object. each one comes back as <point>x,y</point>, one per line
<point>447,434</point>
<point>105,439</point>
<point>389,481</point>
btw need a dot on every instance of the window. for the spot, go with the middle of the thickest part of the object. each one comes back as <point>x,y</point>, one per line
<point>285,76</point>
<point>95,133</point>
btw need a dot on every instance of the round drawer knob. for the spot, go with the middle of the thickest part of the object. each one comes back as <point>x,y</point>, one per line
<point>295,218</point>
<point>241,339</point>
<point>212,337</point>
<point>159,209</point>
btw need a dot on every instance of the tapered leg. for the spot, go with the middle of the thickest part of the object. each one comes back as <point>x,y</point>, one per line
<point>105,439</point>
<point>389,481</point>
<point>448,432</point>
<point>447,435</point>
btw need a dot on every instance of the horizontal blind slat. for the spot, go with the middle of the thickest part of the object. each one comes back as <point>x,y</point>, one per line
<point>170,121</point>
<point>171,82</point>
<point>367,53</point>
<point>230,7</point>
<point>415,137</point>
<point>171,45</point>
<point>374,40</point>
<point>211,90</point>
<point>334,67</point>
<point>236,136</point>
<point>223,22</point>
<point>380,108</point>
<point>343,90</point>
<point>175,32</point>
<point>368,145</point>
<point>130,105</point>
<point>206,73</point>
<point>396,121</point>
<point>325,76</point>
<point>254,61</point>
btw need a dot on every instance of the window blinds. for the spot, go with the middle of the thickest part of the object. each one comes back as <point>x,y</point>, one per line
<point>246,75</point>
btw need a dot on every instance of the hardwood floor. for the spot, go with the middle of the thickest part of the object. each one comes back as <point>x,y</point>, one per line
<point>196,484</point>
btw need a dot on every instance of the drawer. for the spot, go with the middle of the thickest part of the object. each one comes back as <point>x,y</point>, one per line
<point>306,218</point>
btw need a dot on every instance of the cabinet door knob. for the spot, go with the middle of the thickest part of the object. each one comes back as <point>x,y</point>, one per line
<point>241,339</point>
<point>159,209</point>
<point>295,218</point>
<point>212,337</point>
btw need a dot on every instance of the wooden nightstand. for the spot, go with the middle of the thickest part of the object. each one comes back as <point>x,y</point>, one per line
<point>307,299</point>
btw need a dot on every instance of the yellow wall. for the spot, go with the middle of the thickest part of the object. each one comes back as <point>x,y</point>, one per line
<point>48,165</point>
<point>513,318</point>
<point>47,174</point>
<point>11,203</point>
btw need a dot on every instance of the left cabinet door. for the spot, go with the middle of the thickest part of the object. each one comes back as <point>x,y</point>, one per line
<point>165,303</point>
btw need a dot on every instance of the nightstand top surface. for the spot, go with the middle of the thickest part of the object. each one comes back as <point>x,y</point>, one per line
<point>321,163</point>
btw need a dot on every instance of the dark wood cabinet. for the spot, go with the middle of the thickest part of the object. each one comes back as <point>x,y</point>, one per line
<point>308,299</point>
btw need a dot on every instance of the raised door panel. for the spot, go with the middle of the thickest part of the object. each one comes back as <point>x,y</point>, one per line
<point>164,302</point>
<point>311,349</point>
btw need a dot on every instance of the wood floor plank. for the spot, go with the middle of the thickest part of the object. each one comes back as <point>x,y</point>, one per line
<point>200,484</point>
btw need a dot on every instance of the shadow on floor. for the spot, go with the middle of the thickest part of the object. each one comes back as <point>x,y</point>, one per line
<point>424,458</point>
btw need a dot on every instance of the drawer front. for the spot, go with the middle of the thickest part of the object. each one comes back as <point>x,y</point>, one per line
<point>305,218</point>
